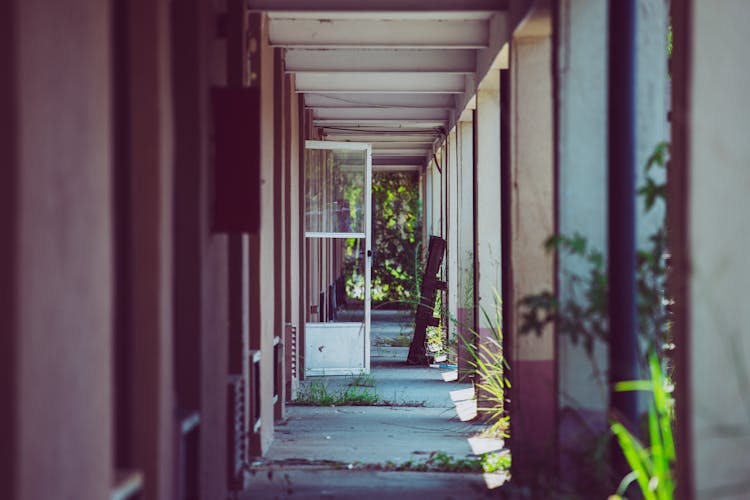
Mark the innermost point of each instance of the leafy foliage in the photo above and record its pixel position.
(584, 316)
(491, 369)
(358, 393)
(396, 232)
(651, 466)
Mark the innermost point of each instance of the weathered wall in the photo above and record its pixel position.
(582, 209)
(718, 155)
(581, 99)
(56, 301)
(534, 390)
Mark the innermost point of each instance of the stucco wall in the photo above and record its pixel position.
(532, 214)
(582, 161)
(719, 185)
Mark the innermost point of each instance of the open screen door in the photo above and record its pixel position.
(338, 193)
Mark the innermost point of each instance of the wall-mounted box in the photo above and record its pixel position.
(236, 179)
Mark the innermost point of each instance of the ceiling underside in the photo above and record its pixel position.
(392, 75)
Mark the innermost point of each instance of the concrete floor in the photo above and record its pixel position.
(328, 452)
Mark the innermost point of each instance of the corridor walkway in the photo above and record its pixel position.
(346, 451)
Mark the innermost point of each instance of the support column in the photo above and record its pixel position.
(151, 146)
(427, 205)
(533, 397)
(452, 206)
(465, 244)
(263, 279)
(487, 210)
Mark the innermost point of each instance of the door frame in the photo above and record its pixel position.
(366, 236)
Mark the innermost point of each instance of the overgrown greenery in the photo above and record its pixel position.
(360, 392)
(583, 318)
(651, 465)
(491, 369)
(396, 233)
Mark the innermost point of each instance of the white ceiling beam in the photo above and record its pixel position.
(378, 5)
(383, 124)
(381, 113)
(352, 60)
(335, 135)
(424, 83)
(347, 33)
(400, 152)
(344, 100)
(397, 145)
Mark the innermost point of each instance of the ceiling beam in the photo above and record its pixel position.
(421, 83)
(344, 100)
(400, 152)
(352, 60)
(381, 113)
(354, 33)
(399, 145)
(335, 135)
(378, 5)
(395, 125)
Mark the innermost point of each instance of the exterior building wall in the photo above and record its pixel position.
(55, 296)
(534, 388)
(581, 165)
(717, 180)
(581, 98)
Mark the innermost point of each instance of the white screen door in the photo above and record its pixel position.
(338, 199)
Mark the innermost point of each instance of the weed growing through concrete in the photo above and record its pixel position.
(437, 462)
(403, 340)
(362, 380)
(317, 393)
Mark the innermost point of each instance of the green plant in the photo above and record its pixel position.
(583, 317)
(403, 340)
(317, 393)
(651, 466)
(496, 461)
(362, 380)
(491, 367)
(437, 462)
(396, 232)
